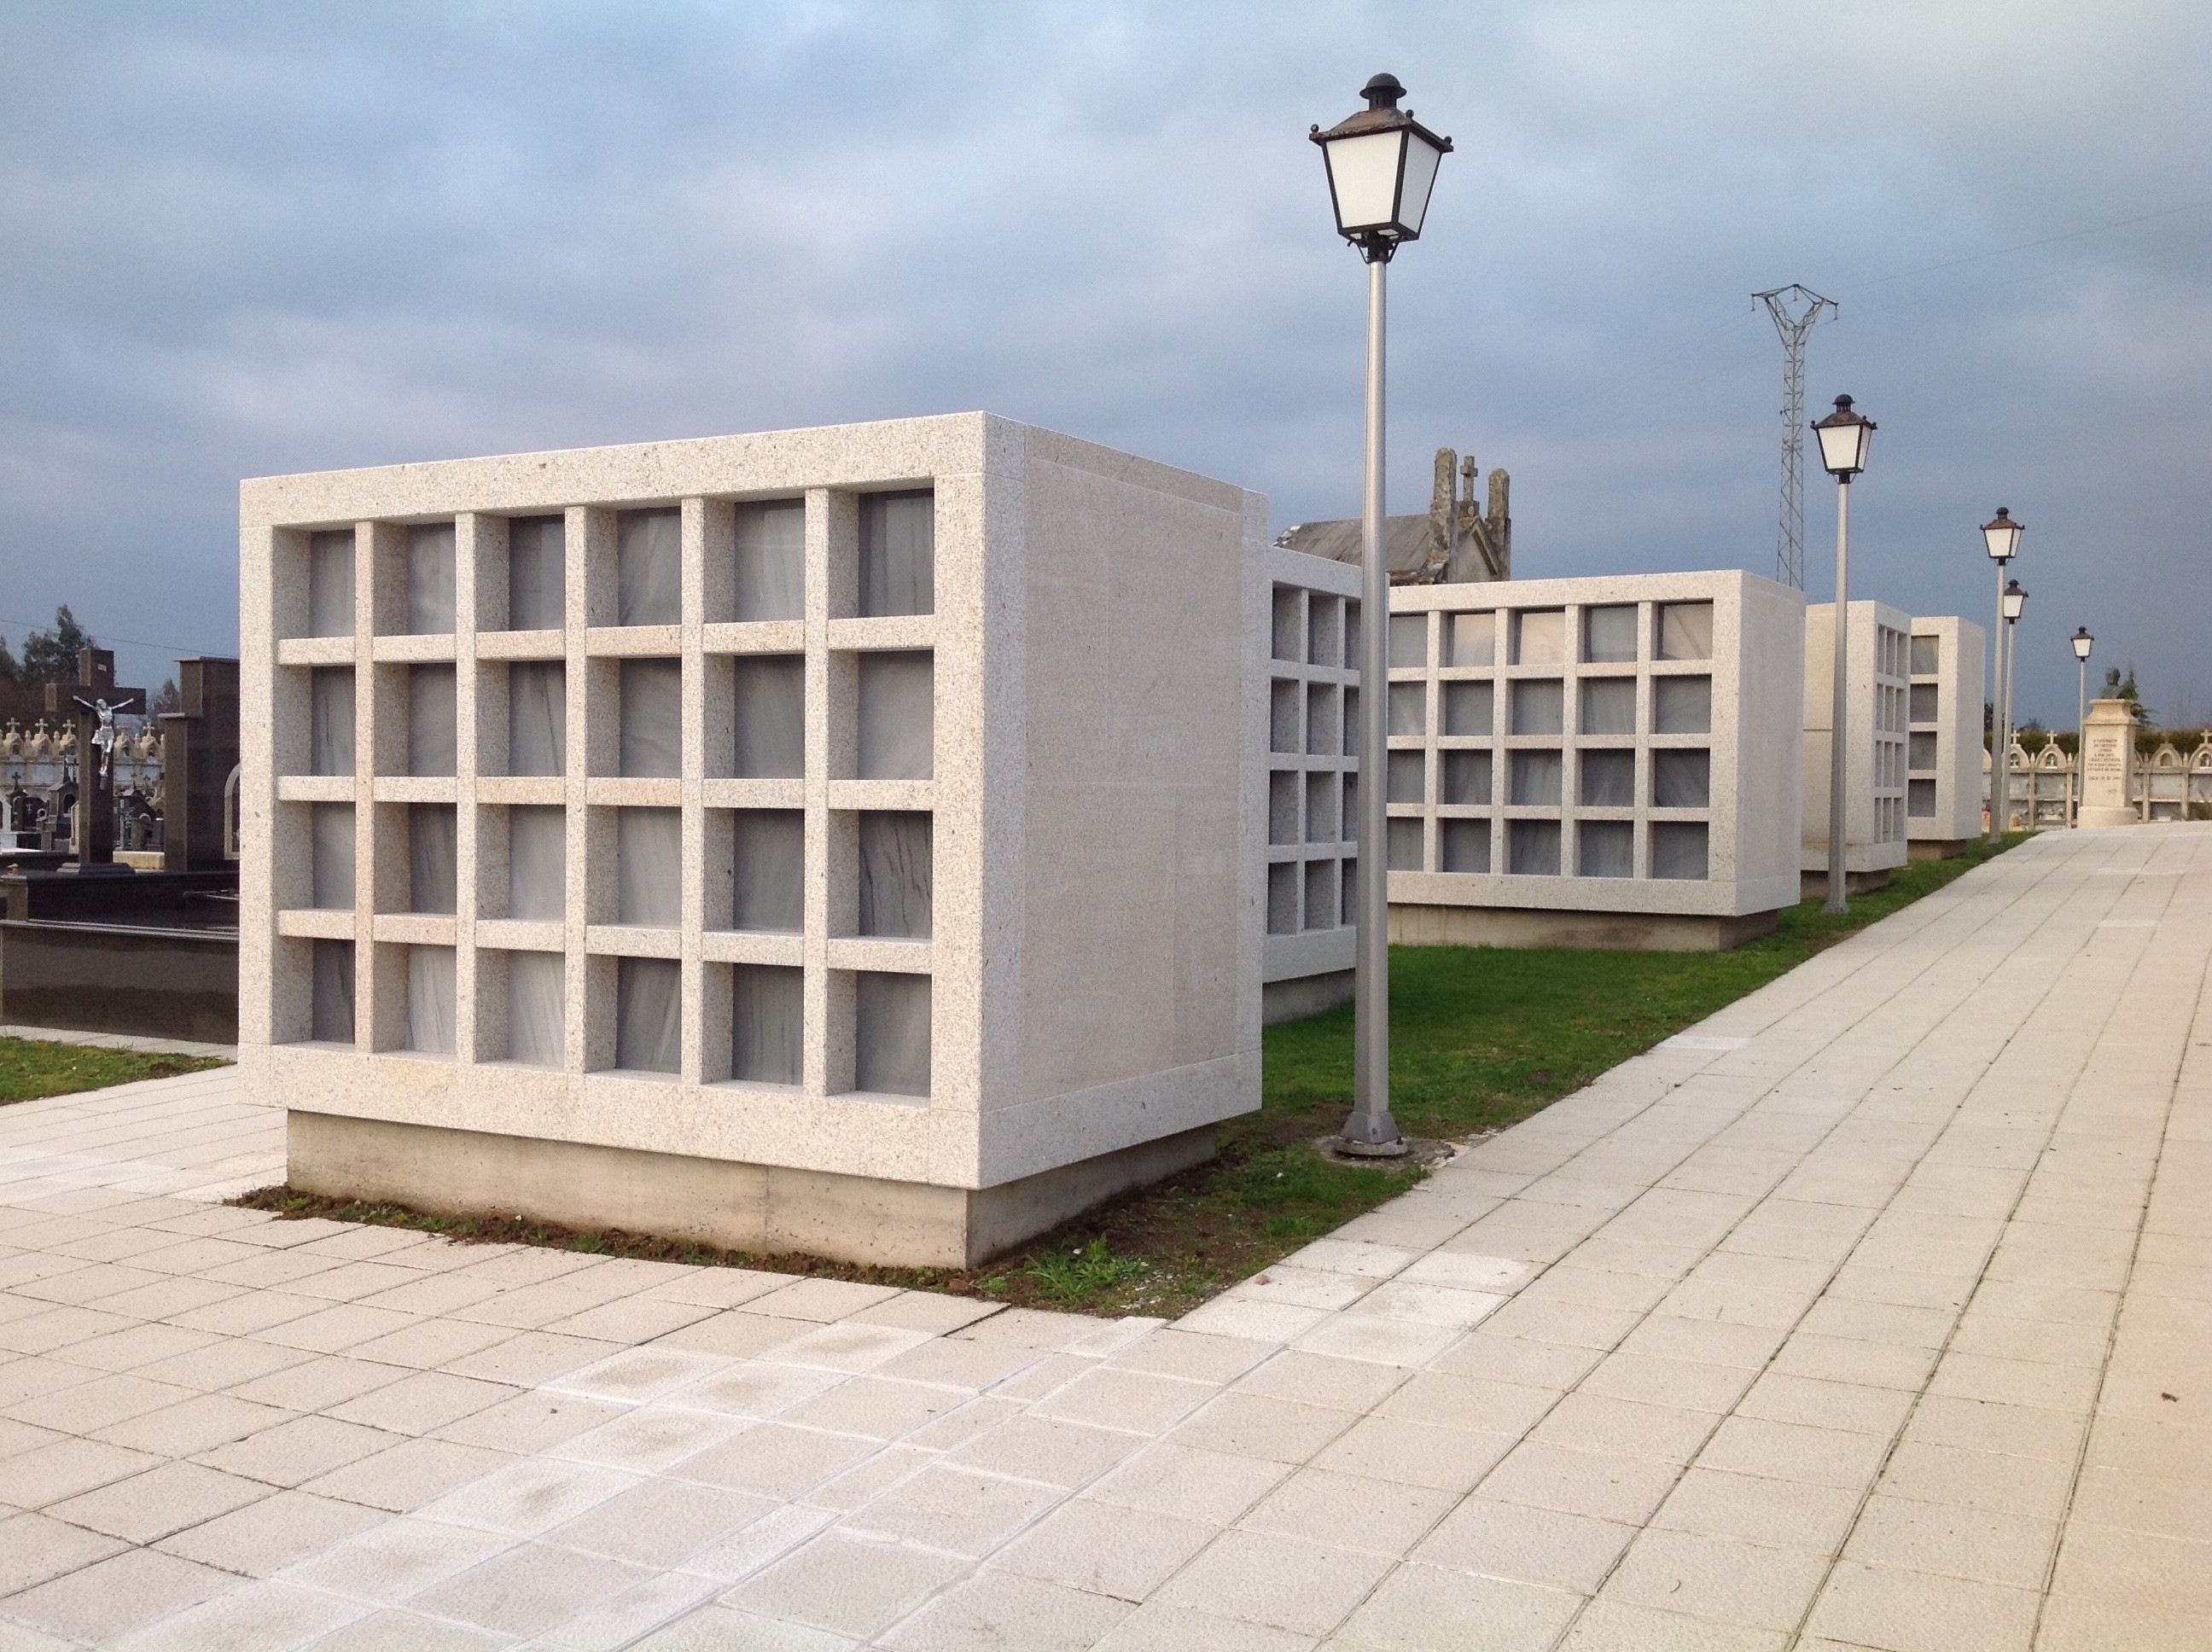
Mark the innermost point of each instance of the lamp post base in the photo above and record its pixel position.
(1352, 1149)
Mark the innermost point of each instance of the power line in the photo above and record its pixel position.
(2024, 246)
(183, 652)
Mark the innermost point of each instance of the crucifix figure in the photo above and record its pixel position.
(94, 708)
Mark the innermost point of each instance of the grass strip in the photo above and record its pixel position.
(34, 1067)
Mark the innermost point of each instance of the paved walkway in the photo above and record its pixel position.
(1876, 1312)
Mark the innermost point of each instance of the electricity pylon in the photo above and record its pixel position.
(1795, 309)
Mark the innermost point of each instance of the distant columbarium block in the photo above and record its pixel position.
(1943, 738)
(1878, 672)
(833, 840)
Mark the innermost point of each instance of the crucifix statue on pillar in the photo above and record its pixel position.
(94, 702)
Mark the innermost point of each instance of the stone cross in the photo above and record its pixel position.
(92, 701)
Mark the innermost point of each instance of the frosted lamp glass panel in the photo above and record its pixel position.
(1609, 633)
(537, 862)
(330, 584)
(1470, 708)
(330, 854)
(1678, 848)
(1540, 637)
(1609, 780)
(1352, 808)
(1685, 630)
(648, 1015)
(1539, 707)
(1409, 708)
(535, 1004)
(1407, 777)
(1283, 721)
(890, 1033)
(1535, 779)
(1363, 175)
(1605, 848)
(430, 999)
(1466, 777)
(1321, 895)
(430, 720)
(1682, 780)
(1321, 808)
(1287, 641)
(1404, 844)
(1283, 898)
(1608, 705)
(648, 867)
(331, 992)
(768, 870)
(1284, 792)
(766, 1016)
(898, 715)
(1322, 736)
(769, 582)
(1464, 844)
(1927, 656)
(894, 872)
(1923, 702)
(430, 579)
(770, 716)
(329, 721)
(1532, 848)
(1409, 638)
(1682, 705)
(1324, 627)
(433, 854)
(898, 553)
(652, 718)
(1923, 749)
(648, 567)
(1421, 159)
(1470, 640)
(1920, 799)
(538, 718)
(537, 574)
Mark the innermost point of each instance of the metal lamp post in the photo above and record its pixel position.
(2014, 603)
(1382, 164)
(2082, 642)
(1844, 436)
(2001, 536)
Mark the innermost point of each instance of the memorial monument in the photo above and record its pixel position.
(2108, 761)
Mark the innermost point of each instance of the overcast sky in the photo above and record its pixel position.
(240, 240)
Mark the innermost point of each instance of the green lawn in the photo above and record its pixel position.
(32, 1067)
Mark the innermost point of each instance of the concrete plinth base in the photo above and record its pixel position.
(757, 1207)
(1937, 848)
(1813, 886)
(1601, 932)
(2096, 814)
(1305, 995)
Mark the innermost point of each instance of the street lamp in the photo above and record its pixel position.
(2001, 535)
(2014, 605)
(2082, 642)
(1382, 164)
(1844, 436)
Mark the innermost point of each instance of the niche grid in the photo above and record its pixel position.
(1313, 762)
(550, 792)
(1924, 734)
(1894, 669)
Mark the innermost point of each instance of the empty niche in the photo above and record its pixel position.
(432, 856)
(1352, 808)
(1923, 747)
(769, 716)
(1607, 780)
(1920, 799)
(1348, 891)
(1283, 734)
(651, 724)
(1927, 656)
(1682, 705)
(1539, 707)
(1470, 639)
(1682, 780)
(331, 992)
(1283, 898)
(430, 579)
(1469, 708)
(768, 882)
(1322, 735)
(1407, 777)
(535, 1003)
(769, 579)
(1321, 894)
(1350, 721)
(894, 872)
(430, 720)
(430, 999)
(648, 1014)
(1540, 637)
(898, 553)
(648, 567)
(1535, 779)
(1404, 845)
(648, 867)
(1409, 707)
(766, 1017)
(1287, 641)
(898, 715)
(1464, 844)
(1608, 705)
(538, 718)
(329, 721)
(1325, 631)
(1685, 630)
(1532, 847)
(890, 1033)
(1321, 808)
(1609, 633)
(1283, 794)
(1678, 848)
(1925, 703)
(330, 584)
(1605, 848)
(1409, 639)
(330, 854)
(1466, 777)
(537, 862)
(537, 575)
